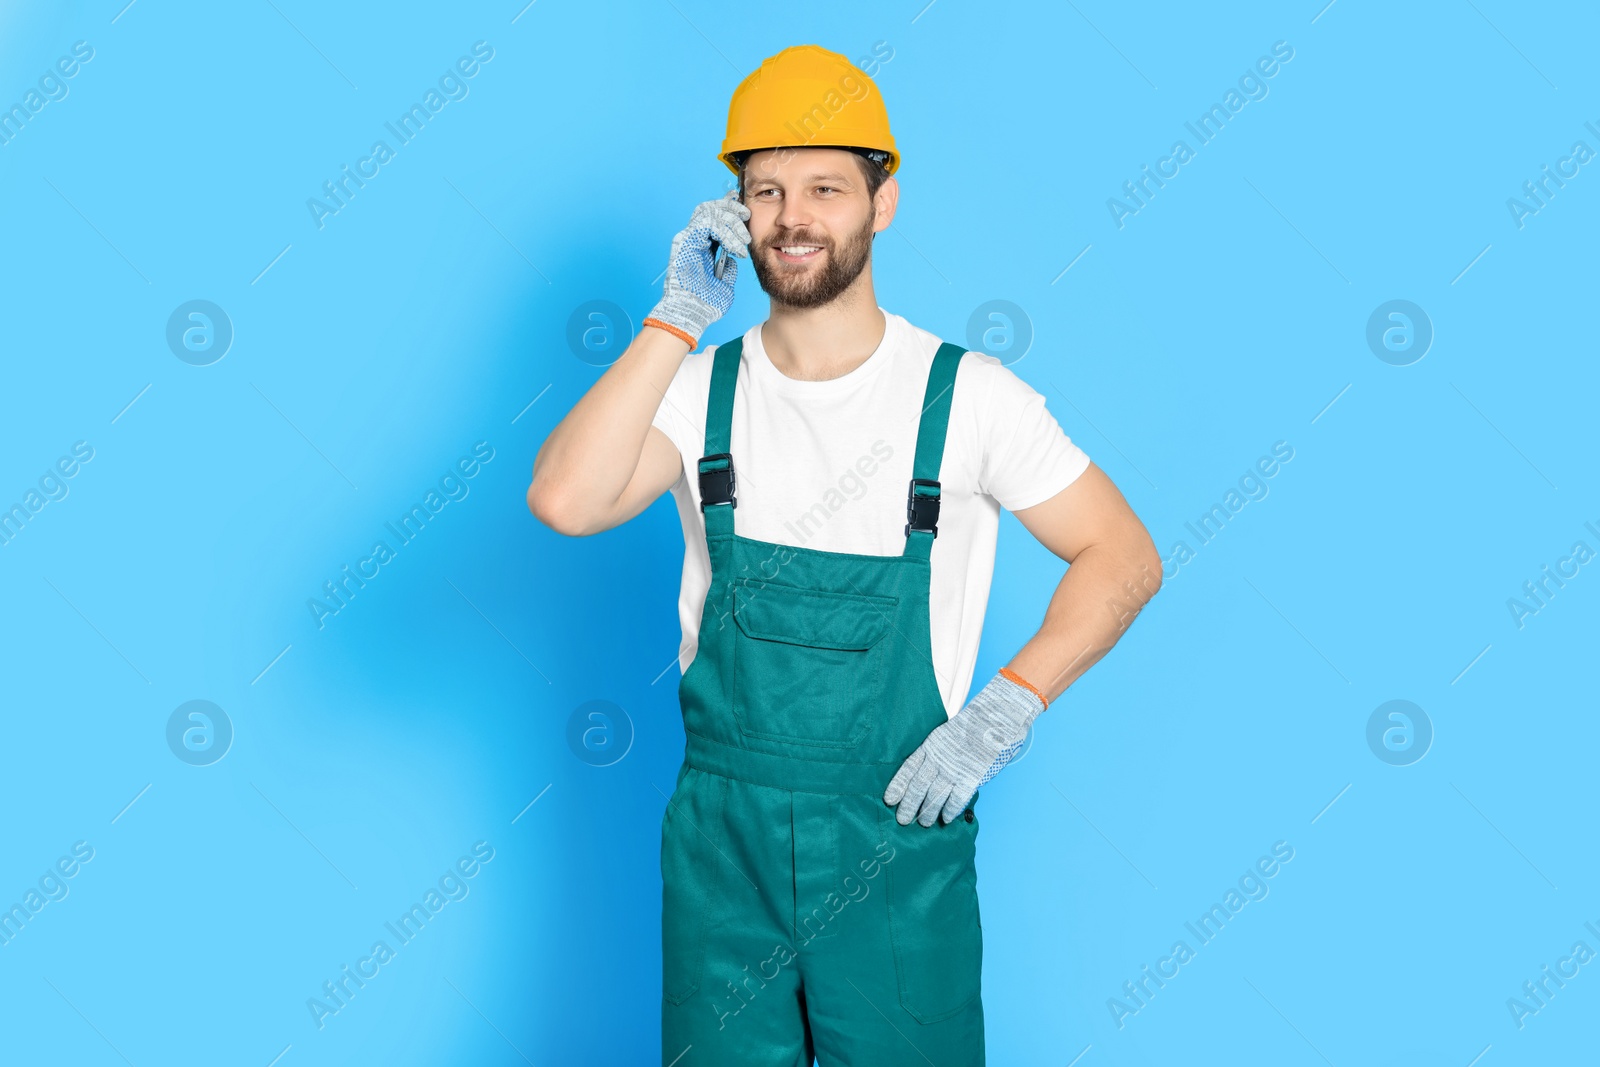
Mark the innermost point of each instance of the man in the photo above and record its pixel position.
(819, 886)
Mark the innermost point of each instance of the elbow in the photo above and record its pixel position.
(540, 504)
(1141, 563)
(550, 508)
(1149, 566)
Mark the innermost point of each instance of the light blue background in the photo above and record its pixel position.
(428, 713)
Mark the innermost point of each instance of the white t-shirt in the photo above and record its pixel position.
(826, 465)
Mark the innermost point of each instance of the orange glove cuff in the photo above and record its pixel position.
(673, 330)
(1012, 676)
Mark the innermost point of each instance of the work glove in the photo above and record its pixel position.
(700, 274)
(964, 753)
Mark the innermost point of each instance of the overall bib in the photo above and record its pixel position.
(799, 918)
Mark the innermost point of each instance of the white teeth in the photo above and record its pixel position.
(800, 250)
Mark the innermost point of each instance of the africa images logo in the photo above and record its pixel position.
(452, 85)
(1205, 128)
(452, 486)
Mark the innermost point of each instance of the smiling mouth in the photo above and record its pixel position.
(797, 253)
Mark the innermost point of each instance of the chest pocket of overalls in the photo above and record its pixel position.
(808, 663)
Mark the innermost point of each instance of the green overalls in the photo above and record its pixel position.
(799, 918)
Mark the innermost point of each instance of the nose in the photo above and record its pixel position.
(795, 214)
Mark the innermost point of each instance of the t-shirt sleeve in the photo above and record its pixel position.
(666, 421)
(1027, 457)
(672, 415)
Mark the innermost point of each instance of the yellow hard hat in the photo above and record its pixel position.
(807, 97)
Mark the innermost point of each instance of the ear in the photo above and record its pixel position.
(884, 203)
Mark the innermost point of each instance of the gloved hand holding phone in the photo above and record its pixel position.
(701, 270)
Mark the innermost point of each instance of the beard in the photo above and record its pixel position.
(810, 288)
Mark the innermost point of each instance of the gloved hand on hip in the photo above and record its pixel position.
(696, 295)
(964, 753)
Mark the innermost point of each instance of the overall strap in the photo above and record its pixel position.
(922, 498)
(716, 472)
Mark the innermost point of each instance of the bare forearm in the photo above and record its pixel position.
(587, 460)
(1094, 604)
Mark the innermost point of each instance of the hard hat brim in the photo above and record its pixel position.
(729, 153)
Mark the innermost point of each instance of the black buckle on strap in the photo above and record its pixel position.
(717, 480)
(922, 509)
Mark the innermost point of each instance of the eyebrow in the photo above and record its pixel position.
(831, 176)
